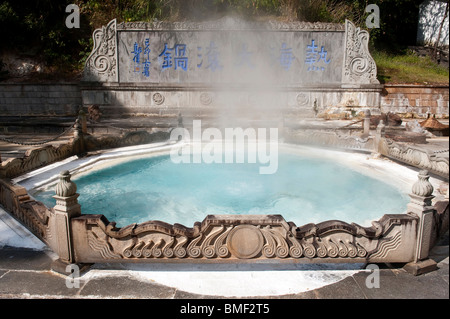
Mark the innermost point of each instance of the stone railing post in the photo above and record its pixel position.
(420, 205)
(366, 124)
(78, 146)
(379, 136)
(381, 129)
(180, 120)
(83, 121)
(67, 207)
(2, 173)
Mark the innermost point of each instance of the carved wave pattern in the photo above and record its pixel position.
(214, 245)
(244, 237)
(387, 246)
(101, 246)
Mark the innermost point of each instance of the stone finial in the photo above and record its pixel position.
(423, 187)
(366, 123)
(65, 187)
(82, 120)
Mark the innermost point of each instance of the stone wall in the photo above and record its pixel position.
(64, 99)
(409, 100)
(39, 99)
(115, 100)
(230, 66)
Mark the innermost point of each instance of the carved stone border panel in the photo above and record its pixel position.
(243, 237)
(359, 66)
(101, 65)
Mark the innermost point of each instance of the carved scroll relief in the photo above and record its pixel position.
(231, 237)
(359, 66)
(101, 65)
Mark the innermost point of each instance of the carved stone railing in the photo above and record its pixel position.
(244, 237)
(436, 162)
(330, 139)
(33, 214)
(417, 157)
(77, 238)
(92, 143)
(413, 155)
(34, 159)
(79, 144)
(402, 238)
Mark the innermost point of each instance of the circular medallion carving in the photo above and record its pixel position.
(205, 98)
(302, 99)
(158, 98)
(245, 241)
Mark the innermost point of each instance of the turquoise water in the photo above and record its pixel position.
(302, 190)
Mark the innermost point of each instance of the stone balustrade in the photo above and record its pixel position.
(78, 238)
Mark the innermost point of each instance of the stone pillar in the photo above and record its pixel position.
(83, 121)
(379, 136)
(366, 125)
(78, 146)
(420, 205)
(66, 208)
(381, 129)
(1, 167)
(180, 120)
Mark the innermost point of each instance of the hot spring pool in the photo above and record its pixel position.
(304, 190)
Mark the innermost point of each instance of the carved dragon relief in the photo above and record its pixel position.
(243, 237)
(359, 66)
(101, 65)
